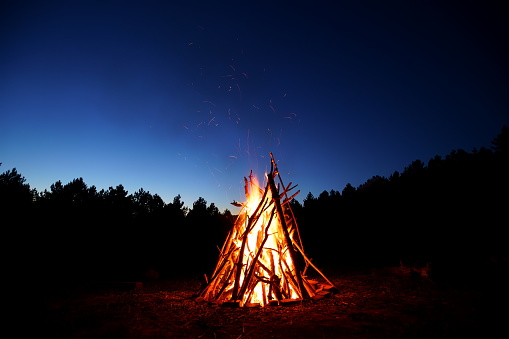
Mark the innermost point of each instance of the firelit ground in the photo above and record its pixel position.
(366, 306)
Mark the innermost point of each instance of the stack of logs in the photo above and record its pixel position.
(258, 262)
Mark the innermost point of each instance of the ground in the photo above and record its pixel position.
(366, 305)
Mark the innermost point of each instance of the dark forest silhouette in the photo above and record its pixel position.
(451, 212)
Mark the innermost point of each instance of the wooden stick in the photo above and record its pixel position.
(279, 209)
(292, 278)
(311, 290)
(219, 278)
(313, 265)
(251, 290)
(273, 282)
(225, 283)
(249, 275)
(288, 200)
(251, 222)
(304, 271)
(273, 162)
(220, 265)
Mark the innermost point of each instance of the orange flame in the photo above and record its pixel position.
(266, 250)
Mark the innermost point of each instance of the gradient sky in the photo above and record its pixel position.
(186, 97)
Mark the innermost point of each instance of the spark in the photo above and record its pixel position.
(244, 74)
(233, 68)
(256, 107)
(209, 102)
(211, 120)
(272, 108)
(293, 115)
(232, 156)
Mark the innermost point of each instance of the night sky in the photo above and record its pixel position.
(186, 97)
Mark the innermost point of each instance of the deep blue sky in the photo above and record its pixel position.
(186, 97)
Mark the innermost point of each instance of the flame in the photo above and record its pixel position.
(265, 247)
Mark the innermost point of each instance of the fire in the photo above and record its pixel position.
(256, 265)
(265, 243)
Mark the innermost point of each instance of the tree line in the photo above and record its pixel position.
(73, 231)
(450, 211)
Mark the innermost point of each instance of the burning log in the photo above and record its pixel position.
(257, 262)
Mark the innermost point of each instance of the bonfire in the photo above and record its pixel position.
(259, 263)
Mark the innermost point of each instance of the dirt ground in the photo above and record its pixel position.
(365, 306)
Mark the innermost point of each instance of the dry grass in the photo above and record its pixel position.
(366, 306)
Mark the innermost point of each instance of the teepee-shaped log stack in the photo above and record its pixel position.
(258, 263)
